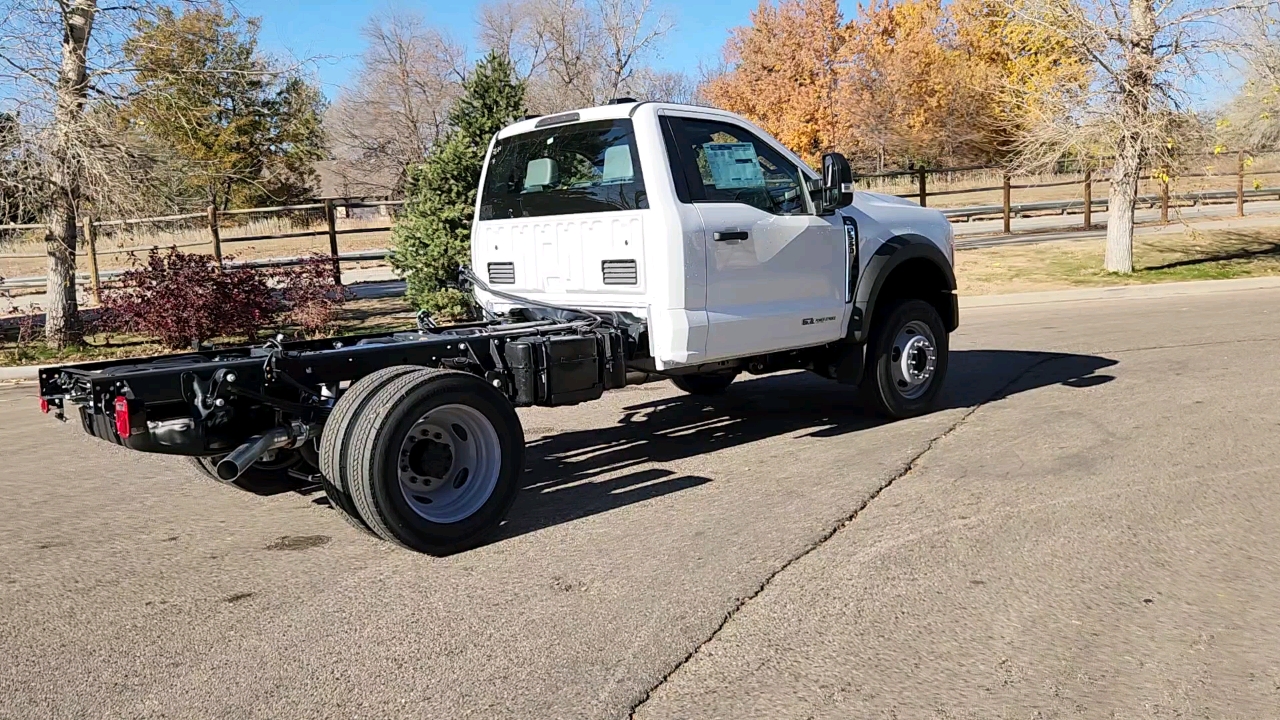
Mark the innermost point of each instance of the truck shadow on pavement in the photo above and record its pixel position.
(576, 474)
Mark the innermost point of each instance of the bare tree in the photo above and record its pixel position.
(66, 77)
(576, 53)
(663, 86)
(630, 31)
(60, 61)
(1252, 118)
(1145, 55)
(397, 105)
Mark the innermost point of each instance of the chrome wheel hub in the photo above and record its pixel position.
(914, 359)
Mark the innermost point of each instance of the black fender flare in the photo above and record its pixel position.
(892, 253)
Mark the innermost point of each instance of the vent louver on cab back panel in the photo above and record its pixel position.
(502, 273)
(620, 272)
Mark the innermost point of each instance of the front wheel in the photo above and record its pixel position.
(906, 360)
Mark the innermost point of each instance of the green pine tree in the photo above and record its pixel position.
(433, 237)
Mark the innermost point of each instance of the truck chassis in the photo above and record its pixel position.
(331, 409)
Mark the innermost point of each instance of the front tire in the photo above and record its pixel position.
(704, 383)
(907, 360)
(434, 461)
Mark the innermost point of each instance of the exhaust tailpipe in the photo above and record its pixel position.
(240, 459)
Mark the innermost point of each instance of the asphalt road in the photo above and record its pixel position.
(1088, 529)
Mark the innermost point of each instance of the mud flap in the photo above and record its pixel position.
(849, 363)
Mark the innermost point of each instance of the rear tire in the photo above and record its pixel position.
(334, 441)
(704, 383)
(434, 461)
(906, 360)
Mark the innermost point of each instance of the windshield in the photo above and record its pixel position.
(572, 169)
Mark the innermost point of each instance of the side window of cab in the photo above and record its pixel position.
(718, 162)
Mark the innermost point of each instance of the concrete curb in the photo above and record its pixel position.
(1123, 292)
(19, 374)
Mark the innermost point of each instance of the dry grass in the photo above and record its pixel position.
(376, 315)
(1169, 257)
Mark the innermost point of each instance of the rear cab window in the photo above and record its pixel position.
(573, 169)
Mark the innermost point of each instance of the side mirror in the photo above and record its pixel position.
(837, 182)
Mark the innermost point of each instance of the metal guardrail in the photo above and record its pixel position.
(1065, 206)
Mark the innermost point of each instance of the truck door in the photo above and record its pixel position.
(776, 272)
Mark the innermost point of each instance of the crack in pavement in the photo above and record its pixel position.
(844, 522)
(1179, 346)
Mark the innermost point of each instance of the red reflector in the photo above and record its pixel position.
(122, 416)
(44, 406)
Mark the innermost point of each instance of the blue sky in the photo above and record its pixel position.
(331, 28)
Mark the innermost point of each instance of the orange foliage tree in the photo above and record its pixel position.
(784, 73)
(906, 82)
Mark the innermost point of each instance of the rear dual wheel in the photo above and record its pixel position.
(335, 439)
(426, 458)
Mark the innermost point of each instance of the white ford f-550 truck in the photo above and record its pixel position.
(613, 245)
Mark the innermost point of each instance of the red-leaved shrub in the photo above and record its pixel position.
(182, 299)
(308, 292)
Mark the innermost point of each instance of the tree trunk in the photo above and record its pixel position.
(1124, 193)
(62, 316)
(1136, 87)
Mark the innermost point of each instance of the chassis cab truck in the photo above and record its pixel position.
(626, 243)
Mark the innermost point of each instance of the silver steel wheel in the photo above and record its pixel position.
(449, 464)
(913, 359)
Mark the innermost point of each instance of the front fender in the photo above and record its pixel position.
(890, 255)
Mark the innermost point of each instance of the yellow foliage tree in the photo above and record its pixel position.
(1025, 67)
(906, 91)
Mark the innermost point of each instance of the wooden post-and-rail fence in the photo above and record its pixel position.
(330, 208)
(214, 223)
(1007, 209)
(215, 219)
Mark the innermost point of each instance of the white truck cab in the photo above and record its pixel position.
(732, 252)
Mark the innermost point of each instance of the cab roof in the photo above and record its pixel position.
(631, 109)
(605, 112)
